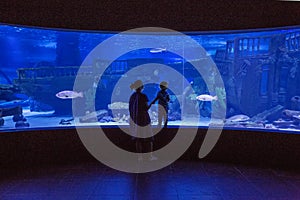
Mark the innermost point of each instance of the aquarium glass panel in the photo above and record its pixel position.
(259, 68)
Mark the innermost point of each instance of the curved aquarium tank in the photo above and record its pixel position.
(55, 78)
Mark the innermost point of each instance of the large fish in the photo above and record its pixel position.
(206, 97)
(15, 103)
(66, 94)
(21, 96)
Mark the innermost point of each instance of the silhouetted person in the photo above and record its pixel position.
(140, 122)
(163, 104)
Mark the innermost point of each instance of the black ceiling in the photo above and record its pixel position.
(185, 15)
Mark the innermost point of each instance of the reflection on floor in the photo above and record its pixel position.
(183, 180)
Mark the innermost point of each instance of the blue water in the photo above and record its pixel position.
(260, 70)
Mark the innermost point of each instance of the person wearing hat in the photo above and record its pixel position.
(140, 122)
(163, 107)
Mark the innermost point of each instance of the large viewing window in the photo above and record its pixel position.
(260, 69)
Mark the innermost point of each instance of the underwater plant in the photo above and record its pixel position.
(221, 94)
(220, 104)
(294, 68)
(89, 99)
(192, 97)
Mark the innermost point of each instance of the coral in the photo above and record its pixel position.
(118, 105)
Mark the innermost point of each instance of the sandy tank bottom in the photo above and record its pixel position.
(47, 120)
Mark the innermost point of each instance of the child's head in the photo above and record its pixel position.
(163, 85)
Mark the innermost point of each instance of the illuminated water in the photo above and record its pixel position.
(260, 70)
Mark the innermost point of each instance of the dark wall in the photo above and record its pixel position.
(187, 15)
(48, 147)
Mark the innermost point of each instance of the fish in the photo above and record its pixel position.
(206, 97)
(238, 118)
(66, 94)
(158, 50)
(297, 117)
(15, 103)
(66, 121)
(21, 96)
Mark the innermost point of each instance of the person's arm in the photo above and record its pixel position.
(148, 106)
(152, 102)
(157, 97)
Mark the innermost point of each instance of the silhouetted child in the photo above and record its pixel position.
(163, 107)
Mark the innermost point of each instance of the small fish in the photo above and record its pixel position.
(206, 97)
(66, 94)
(238, 118)
(158, 50)
(66, 121)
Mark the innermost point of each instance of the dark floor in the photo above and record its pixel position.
(181, 180)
